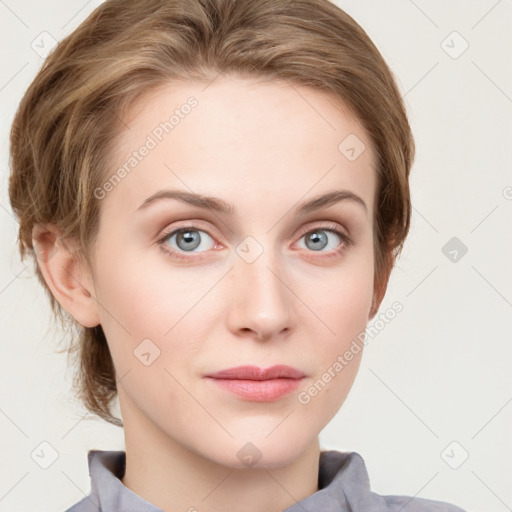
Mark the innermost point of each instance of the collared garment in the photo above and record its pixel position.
(343, 486)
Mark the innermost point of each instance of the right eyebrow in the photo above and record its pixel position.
(201, 201)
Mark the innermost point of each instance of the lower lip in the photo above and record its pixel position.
(259, 390)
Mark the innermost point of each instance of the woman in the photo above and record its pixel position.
(252, 131)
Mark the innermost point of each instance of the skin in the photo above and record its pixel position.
(264, 147)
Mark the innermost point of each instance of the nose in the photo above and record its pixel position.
(262, 304)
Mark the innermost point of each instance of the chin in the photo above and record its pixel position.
(258, 452)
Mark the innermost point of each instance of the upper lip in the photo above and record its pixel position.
(256, 373)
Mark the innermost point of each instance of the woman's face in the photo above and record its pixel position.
(261, 280)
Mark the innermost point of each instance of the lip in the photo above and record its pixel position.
(256, 373)
(256, 384)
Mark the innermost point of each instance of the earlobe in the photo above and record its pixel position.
(374, 307)
(66, 277)
(378, 295)
(380, 289)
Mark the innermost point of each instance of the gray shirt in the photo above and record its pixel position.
(343, 486)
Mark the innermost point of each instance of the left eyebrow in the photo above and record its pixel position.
(221, 206)
(325, 200)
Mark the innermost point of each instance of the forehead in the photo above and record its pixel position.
(241, 138)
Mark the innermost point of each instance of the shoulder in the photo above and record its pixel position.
(84, 505)
(347, 478)
(413, 504)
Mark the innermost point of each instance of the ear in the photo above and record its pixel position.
(67, 278)
(380, 288)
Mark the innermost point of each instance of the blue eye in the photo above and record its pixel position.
(318, 239)
(186, 239)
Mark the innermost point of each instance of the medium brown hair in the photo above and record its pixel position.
(66, 125)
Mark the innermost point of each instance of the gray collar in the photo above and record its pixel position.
(343, 486)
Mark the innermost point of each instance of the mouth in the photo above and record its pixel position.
(258, 385)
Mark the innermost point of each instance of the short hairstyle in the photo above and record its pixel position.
(67, 122)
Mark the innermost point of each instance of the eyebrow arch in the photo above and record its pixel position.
(328, 199)
(221, 206)
(207, 202)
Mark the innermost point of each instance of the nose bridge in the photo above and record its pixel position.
(262, 301)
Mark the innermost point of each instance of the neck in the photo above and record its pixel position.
(172, 477)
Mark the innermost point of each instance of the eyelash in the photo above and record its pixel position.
(331, 228)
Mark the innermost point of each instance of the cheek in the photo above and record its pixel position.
(142, 302)
(342, 301)
(136, 296)
(346, 314)
(148, 324)
(338, 354)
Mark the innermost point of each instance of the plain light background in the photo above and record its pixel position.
(431, 409)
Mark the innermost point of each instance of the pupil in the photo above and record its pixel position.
(190, 238)
(315, 237)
